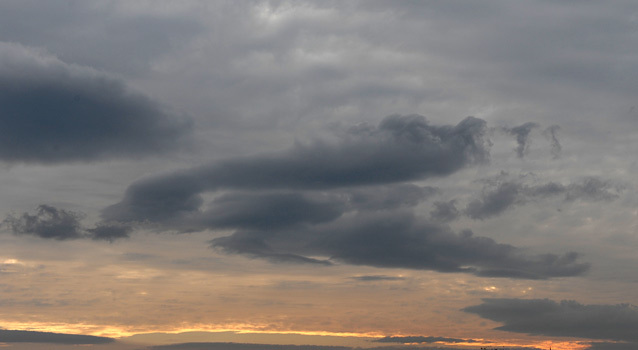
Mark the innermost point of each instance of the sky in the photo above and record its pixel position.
(308, 175)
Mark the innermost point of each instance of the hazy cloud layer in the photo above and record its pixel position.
(400, 148)
(13, 336)
(52, 112)
(399, 240)
(53, 223)
(561, 319)
(500, 194)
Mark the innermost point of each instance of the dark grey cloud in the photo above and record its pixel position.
(400, 148)
(494, 201)
(552, 134)
(388, 197)
(501, 194)
(110, 232)
(373, 278)
(422, 339)
(13, 336)
(444, 211)
(53, 112)
(521, 133)
(50, 222)
(593, 189)
(273, 210)
(399, 240)
(562, 319)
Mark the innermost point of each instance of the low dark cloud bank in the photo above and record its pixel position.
(53, 223)
(11, 336)
(52, 112)
(563, 319)
(399, 240)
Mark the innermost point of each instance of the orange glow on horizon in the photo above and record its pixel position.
(122, 332)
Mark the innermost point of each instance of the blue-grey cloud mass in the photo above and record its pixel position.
(53, 112)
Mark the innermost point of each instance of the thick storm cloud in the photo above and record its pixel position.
(52, 112)
(400, 148)
(502, 194)
(562, 319)
(399, 240)
(14, 336)
(53, 223)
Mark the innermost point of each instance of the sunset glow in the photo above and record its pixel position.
(318, 175)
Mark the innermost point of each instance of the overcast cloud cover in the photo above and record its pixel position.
(414, 170)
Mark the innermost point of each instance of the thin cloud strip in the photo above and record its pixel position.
(423, 339)
(18, 336)
(54, 112)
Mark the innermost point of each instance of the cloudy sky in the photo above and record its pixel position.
(318, 174)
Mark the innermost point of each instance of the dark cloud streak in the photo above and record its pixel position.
(50, 222)
(15, 336)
